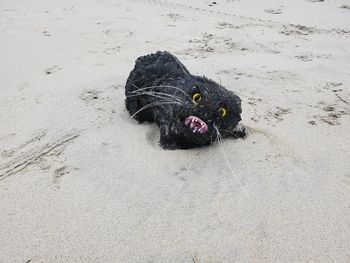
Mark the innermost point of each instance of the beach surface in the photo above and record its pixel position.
(82, 182)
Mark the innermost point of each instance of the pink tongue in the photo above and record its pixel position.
(196, 124)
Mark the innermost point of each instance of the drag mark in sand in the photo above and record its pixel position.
(34, 156)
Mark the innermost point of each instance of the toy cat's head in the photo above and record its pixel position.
(204, 111)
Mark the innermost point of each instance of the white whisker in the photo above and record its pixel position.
(157, 94)
(154, 104)
(230, 132)
(160, 86)
(221, 145)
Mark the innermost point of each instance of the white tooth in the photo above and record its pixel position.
(200, 130)
(195, 129)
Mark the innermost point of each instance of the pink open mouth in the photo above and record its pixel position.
(196, 124)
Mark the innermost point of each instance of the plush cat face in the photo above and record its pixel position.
(209, 108)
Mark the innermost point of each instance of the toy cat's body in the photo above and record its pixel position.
(191, 111)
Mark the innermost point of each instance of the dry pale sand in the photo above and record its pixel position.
(82, 182)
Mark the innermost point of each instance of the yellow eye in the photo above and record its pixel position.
(222, 112)
(196, 97)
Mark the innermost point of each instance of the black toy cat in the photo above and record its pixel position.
(191, 111)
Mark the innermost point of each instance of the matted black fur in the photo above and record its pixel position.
(160, 89)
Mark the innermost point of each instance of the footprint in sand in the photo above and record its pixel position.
(112, 50)
(298, 30)
(89, 95)
(174, 16)
(332, 116)
(46, 33)
(331, 113)
(304, 58)
(345, 7)
(52, 69)
(274, 11)
(60, 172)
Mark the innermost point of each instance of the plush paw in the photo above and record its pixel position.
(239, 132)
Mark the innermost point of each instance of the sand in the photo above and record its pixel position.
(82, 182)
